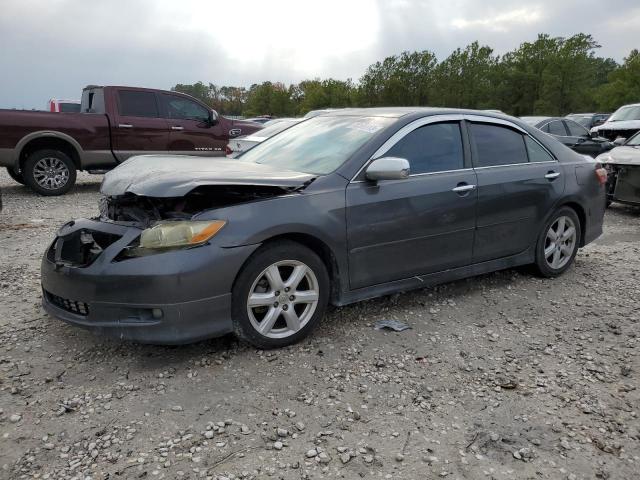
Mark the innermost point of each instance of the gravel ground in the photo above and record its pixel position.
(501, 376)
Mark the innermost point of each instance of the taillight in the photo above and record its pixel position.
(227, 150)
(601, 174)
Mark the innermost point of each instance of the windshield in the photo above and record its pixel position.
(317, 146)
(634, 141)
(631, 112)
(274, 128)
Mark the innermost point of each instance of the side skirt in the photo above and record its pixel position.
(429, 280)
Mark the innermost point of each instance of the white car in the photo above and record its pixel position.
(623, 123)
(239, 145)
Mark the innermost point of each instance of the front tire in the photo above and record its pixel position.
(49, 172)
(280, 295)
(558, 243)
(16, 176)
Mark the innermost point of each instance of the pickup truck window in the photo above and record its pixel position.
(183, 109)
(137, 104)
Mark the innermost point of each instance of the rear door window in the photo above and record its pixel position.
(431, 148)
(137, 104)
(497, 145)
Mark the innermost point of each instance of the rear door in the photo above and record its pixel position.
(401, 228)
(519, 182)
(190, 128)
(138, 127)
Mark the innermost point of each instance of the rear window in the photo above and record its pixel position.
(536, 152)
(496, 145)
(556, 128)
(137, 104)
(576, 129)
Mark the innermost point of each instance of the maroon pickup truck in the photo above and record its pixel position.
(44, 150)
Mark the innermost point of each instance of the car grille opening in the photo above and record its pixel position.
(72, 306)
(80, 248)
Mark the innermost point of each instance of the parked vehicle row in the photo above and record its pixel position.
(345, 206)
(589, 120)
(44, 150)
(571, 134)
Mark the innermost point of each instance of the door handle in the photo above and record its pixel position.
(177, 128)
(552, 175)
(125, 125)
(463, 188)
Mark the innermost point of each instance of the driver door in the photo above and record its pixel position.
(190, 129)
(397, 229)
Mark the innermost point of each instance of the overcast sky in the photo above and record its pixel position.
(53, 48)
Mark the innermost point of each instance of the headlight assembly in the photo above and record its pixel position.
(170, 235)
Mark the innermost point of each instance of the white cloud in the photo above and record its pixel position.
(503, 22)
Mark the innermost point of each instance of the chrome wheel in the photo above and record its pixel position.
(560, 242)
(51, 173)
(283, 299)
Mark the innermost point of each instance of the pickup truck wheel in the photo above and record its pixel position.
(49, 172)
(15, 175)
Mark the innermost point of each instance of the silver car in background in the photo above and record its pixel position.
(241, 144)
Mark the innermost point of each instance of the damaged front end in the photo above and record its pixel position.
(144, 211)
(623, 183)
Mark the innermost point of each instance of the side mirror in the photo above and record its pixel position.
(388, 168)
(619, 141)
(213, 117)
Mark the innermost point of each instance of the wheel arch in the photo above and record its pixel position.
(48, 140)
(582, 216)
(316, 245)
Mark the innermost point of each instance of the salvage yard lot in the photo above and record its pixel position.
(501, 376)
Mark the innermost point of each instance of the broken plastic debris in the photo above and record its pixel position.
(391, 325)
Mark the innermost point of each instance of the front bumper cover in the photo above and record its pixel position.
(174, 297)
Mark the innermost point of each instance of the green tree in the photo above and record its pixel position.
(623, 84)
(464, 78)
(403, 79)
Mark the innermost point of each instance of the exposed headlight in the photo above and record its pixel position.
(179, 234)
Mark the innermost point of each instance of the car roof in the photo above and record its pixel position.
(397, 112)
(536, 120)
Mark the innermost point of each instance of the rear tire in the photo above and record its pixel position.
(558, 242)
(280, 295)
(16, 175)
(49, 172)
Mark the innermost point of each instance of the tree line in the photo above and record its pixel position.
(550, 76)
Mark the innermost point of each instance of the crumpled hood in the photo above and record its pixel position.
(621, 125)
(623, 156)
(175, 175)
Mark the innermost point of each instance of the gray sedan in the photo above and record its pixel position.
(346, 206)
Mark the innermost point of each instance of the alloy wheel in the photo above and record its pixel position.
(560, 242)
(51, 173)
(283, 298)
